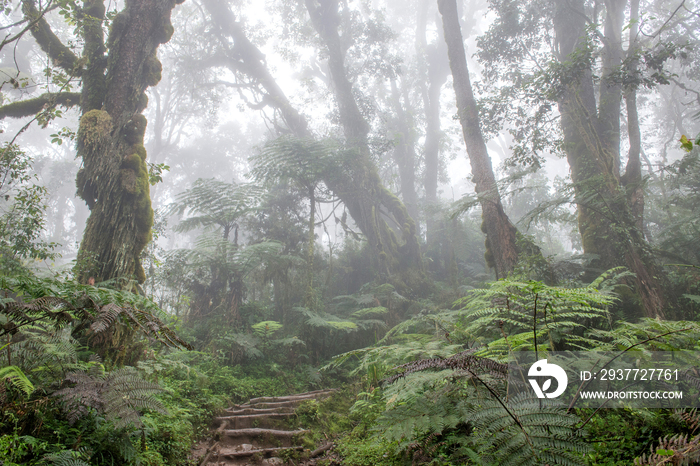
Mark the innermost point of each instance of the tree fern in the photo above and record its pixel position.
(288, 158)
(526, 314)
(211, 203)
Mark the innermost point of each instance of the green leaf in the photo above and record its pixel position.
(686, 144)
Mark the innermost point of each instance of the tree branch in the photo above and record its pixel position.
(24, 108)
(48, 41)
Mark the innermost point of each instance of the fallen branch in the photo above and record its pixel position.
(208, 453)
(321, 449)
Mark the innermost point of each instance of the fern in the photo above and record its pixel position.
(529, 314)
(16, 377)
(288, 158)
(51, 303)
(464, 361)
(120, 395)
(211, 203)
(69, 458)
(326, 321)
(525, 431)
(675, 450)
(422, 404)
(659, 335)
(266, 328)
(378, 311)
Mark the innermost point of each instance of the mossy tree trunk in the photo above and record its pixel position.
(501, 235)
(608, 225)
(114, 179)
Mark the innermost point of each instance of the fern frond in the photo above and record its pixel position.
(675, 450)
(526, 430)
(464, 361)
(68, 458)
(16, 377)
(120, 395)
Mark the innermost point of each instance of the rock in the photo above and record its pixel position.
(272, 462)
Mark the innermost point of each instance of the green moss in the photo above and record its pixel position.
(488, 256)
(166, 33)
(132, 162)
(135, 129)
(134, 181)
(118, 24)
(85, 189)
(95, 128)
(152, 70)
(142, 103)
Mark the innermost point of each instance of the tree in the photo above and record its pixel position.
(501, 250)
(370, 194)
(222, 207)
(114, 180)
(556, 52)
(591, 128)
(435, 68)
(356, 181)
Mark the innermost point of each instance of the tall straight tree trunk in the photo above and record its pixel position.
(405, 152)
(632, 178)
(433, 71)
(501, 235)
(609, 230)
(310, 298)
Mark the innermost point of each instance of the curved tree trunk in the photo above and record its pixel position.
(501, 235)
(359, 185)
(364, 208)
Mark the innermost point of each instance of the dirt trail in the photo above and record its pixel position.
(254, 433)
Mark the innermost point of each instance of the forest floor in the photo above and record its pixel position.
(258, 433)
